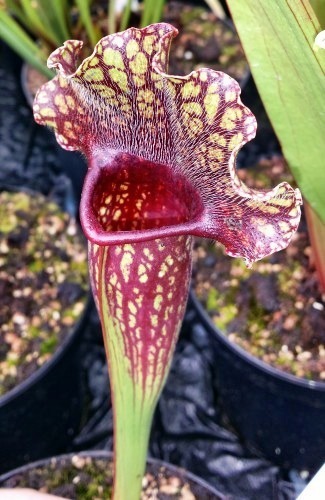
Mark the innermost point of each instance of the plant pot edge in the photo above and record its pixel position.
(277, 416)
(32, 424)
(104, 454)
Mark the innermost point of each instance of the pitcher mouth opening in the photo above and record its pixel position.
(133, 199)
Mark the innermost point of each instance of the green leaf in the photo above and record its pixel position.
(19, 41)
(60, 10)
(6, 21)
(14, 8)
(319, 9)
(112, 16)
(126, 15)
(152, 12)
(278, 39)
(38, 20)
(92, 31)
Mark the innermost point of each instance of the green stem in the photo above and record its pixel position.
(132, 423)
(316, 230)
(85, 15)
(126, 16)
(133, 412)
(141, 292)
(111, 17)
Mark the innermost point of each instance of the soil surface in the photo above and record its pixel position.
(275, 310)
(43, 283)
(88, 478)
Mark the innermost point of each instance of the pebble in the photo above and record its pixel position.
(19, 318)
(188, 55)
(169, 489)
(290, 322)
(318, 306)
(3, 244)
(78, 461)
(304, 356)
(186, 494)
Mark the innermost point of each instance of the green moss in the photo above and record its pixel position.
(212, 300)
(227, 314)
(8, 222)
(33, 332)
(12, 361)
(230, 50)
(95, 488)
(21, 201)
(189, 15)
(92, 480)
(69, 313)
(36, 266)
(8, 219)
(79, 268)
(285, 279)
(48, 345)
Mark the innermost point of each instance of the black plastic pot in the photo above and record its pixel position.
(200, 488)
(41, 416)
(74, 166)
(276, 414)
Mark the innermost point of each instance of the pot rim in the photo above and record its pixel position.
(104, 454)
(250, 358)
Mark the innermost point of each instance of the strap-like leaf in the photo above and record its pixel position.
(92, 31)
(40, 25)
(278, 39)
(18, 40)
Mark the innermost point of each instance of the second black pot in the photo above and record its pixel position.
(278, 415)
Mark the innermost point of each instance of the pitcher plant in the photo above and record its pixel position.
(161, 152)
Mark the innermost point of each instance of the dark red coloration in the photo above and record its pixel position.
(131, 195)
(121, 101)
(145, 286)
